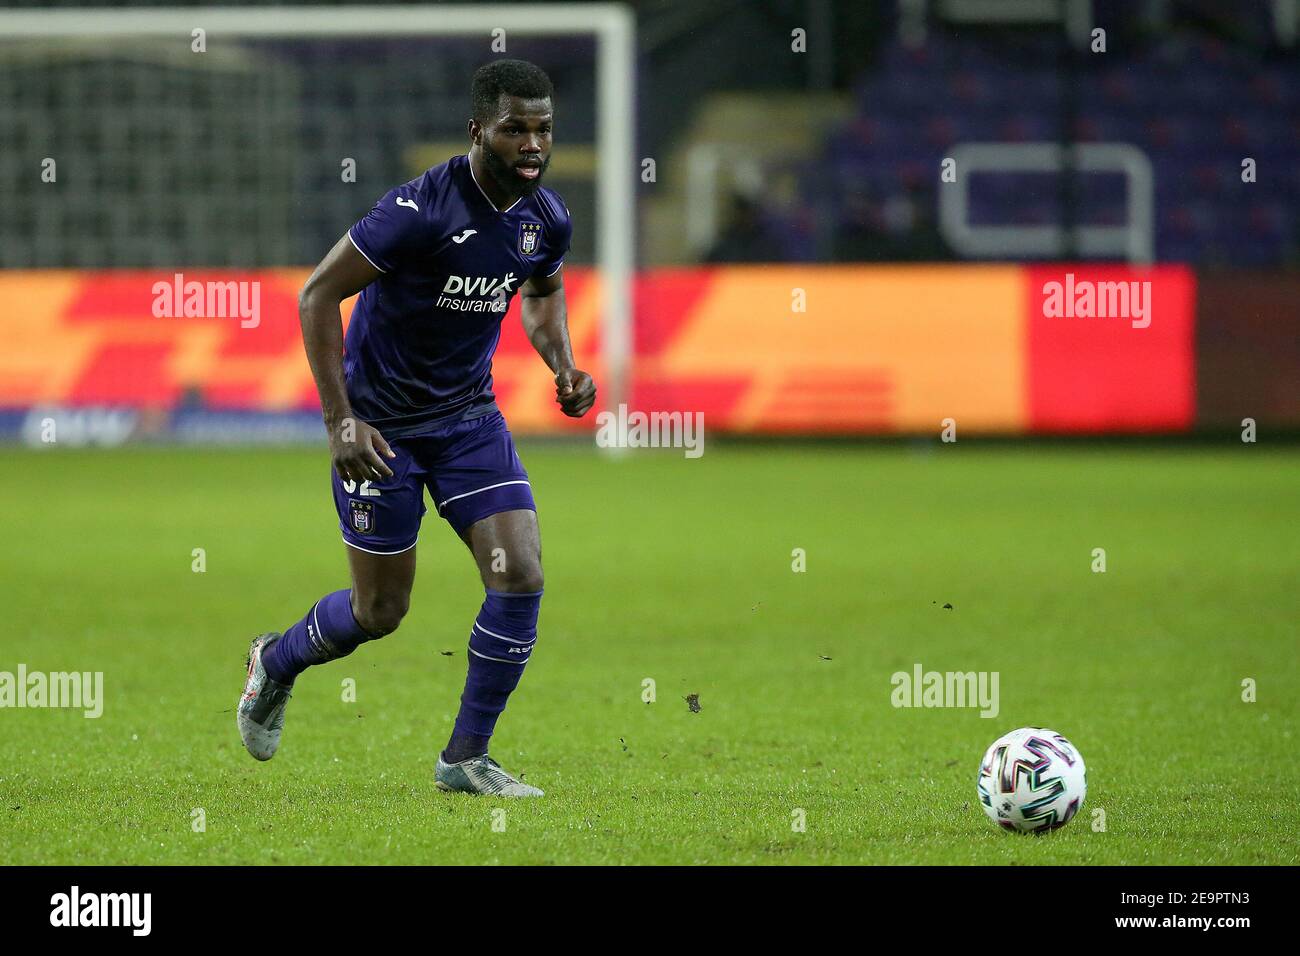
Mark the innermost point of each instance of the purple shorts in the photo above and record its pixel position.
(470, 468)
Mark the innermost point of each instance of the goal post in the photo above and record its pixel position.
(612, 25)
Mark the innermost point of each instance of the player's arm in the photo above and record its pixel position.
(355, 447)
(546, 320)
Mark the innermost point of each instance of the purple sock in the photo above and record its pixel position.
(499, 646)
(326, 633)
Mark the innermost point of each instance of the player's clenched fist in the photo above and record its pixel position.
(358, 452)
(575, 391)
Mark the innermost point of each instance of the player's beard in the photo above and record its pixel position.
(510, 181)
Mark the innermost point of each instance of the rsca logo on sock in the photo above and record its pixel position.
(134, 910)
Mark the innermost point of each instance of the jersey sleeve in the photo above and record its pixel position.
(391, 232)
(556, 249)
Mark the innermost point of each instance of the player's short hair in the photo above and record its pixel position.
(511, 77)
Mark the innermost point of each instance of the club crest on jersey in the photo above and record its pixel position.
(363, 516)
(530, 238)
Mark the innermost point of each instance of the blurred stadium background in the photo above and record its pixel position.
(822, 163)
(802, 268)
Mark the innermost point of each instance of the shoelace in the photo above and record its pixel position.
(493, 777)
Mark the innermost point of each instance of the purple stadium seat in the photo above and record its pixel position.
(1195, 105)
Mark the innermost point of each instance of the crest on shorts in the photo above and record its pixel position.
(530, 238)
(362, 515)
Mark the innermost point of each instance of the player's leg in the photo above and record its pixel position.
(342, 621)
(380, 522)
(507, 549)
(381, 589)
(482, 490)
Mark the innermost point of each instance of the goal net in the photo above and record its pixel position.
(238, 138)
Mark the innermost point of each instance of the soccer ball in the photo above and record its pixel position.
(1032, 780)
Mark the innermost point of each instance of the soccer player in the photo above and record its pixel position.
(408, 405)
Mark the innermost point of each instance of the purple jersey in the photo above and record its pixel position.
(419, 348)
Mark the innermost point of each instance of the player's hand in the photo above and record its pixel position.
(358, 452)
(574, 391)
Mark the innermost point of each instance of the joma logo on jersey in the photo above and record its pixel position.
(494, 293)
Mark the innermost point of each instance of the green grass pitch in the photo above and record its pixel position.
(680, 571)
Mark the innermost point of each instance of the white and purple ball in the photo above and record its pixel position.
(1032, 780)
